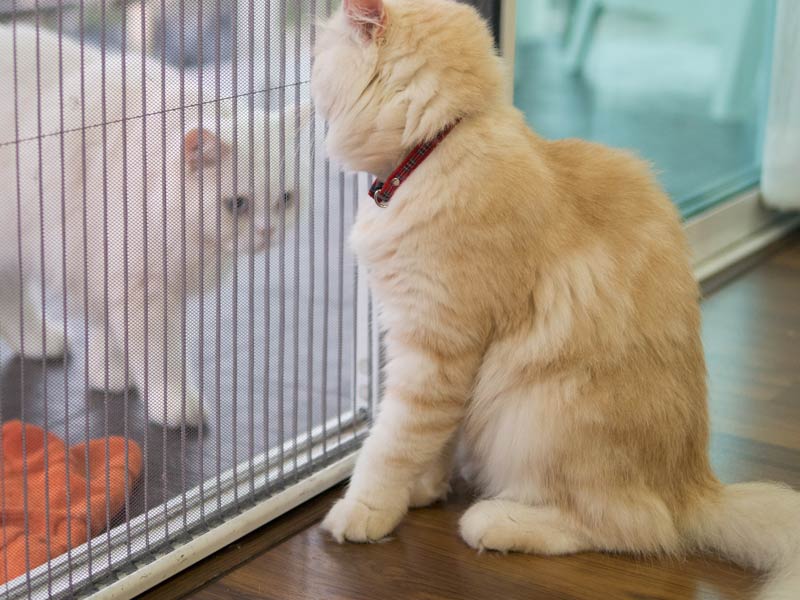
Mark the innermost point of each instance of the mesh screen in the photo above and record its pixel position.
(175, 275)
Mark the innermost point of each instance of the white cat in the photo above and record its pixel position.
(174, 167)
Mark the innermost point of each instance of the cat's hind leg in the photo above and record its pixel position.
(632, 520)
(509, 526)
(27, 340)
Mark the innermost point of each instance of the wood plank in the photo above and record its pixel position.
(752, 336)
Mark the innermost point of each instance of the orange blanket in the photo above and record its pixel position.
(12, 485)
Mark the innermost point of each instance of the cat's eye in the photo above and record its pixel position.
(236, 205)
(287, 197)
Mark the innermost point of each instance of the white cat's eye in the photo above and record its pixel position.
(287, 197)
(237, 205)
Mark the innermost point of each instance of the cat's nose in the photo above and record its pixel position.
(263, 237)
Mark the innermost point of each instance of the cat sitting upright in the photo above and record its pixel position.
(541, 315)
(171, 167)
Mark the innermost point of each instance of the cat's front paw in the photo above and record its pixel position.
(354, 521)
(107, 375)
(54, 342)
(171, 411)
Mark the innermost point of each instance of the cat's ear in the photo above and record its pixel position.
(201, 147)
(366, 16)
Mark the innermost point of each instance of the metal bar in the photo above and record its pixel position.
(165, 277)
(296, 196)
(182, 96)
(218, 272)
(267, 221)
(85, 232)
(125, 275)
(201, 225)
(104, 134)
(311, 241)
(145, 388)
(21, 309)
(282, 236)
(235, 221)
(43, 285)
(251, 258)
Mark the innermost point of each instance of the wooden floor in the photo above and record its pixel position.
(752, 337)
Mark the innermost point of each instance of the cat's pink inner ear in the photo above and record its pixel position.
(202, 147)
(368, 16)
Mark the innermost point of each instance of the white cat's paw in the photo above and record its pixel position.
(354, 521)
(171, 412)
(55, 341)
(429, 488)
(484, 527)
(99, 371)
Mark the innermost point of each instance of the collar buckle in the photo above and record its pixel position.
(376, 192)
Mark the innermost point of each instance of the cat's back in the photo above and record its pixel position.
(607, 185)
(32, 64)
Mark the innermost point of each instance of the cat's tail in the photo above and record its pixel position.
(755, 525)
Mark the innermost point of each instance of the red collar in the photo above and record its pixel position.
(382, 192)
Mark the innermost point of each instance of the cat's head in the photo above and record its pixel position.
(248, 196)
(389, 74)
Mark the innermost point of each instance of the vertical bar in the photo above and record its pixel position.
(125, 290)
(63, 196)
(235, 307)
(85, 232)
(354, 384)
(182, 96)
(251, 262)
(43, 284)
(296, 194)
(21, 307)
(218, 331)
(282, 248)
(268, 226)
(326, 274)
(340, 314)
(104, 134)
(201, 283)
(145, 266)
(311, 247)
(165, 216)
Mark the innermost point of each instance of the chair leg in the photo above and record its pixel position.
(582, 29)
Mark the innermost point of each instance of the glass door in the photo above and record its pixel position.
(682, 83)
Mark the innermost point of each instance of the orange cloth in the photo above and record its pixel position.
(12, 485)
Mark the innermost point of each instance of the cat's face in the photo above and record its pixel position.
(247, 196)
(389, 74)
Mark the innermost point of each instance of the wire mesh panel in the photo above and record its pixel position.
(183, 328)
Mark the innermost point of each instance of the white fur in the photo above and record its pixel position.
(105, 189)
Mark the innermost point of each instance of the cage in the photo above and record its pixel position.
(185, 336)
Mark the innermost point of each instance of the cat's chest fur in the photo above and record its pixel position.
(391, 247)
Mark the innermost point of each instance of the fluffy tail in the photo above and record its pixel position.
(755, 525)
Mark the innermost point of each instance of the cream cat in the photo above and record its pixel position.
(540, 312)
(184, 172)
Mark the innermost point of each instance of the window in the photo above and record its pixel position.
(682, 83)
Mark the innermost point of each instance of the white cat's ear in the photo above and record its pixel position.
(367, 16)
(201, 147)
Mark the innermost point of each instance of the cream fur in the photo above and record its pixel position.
(163, 192)
(540, 313)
